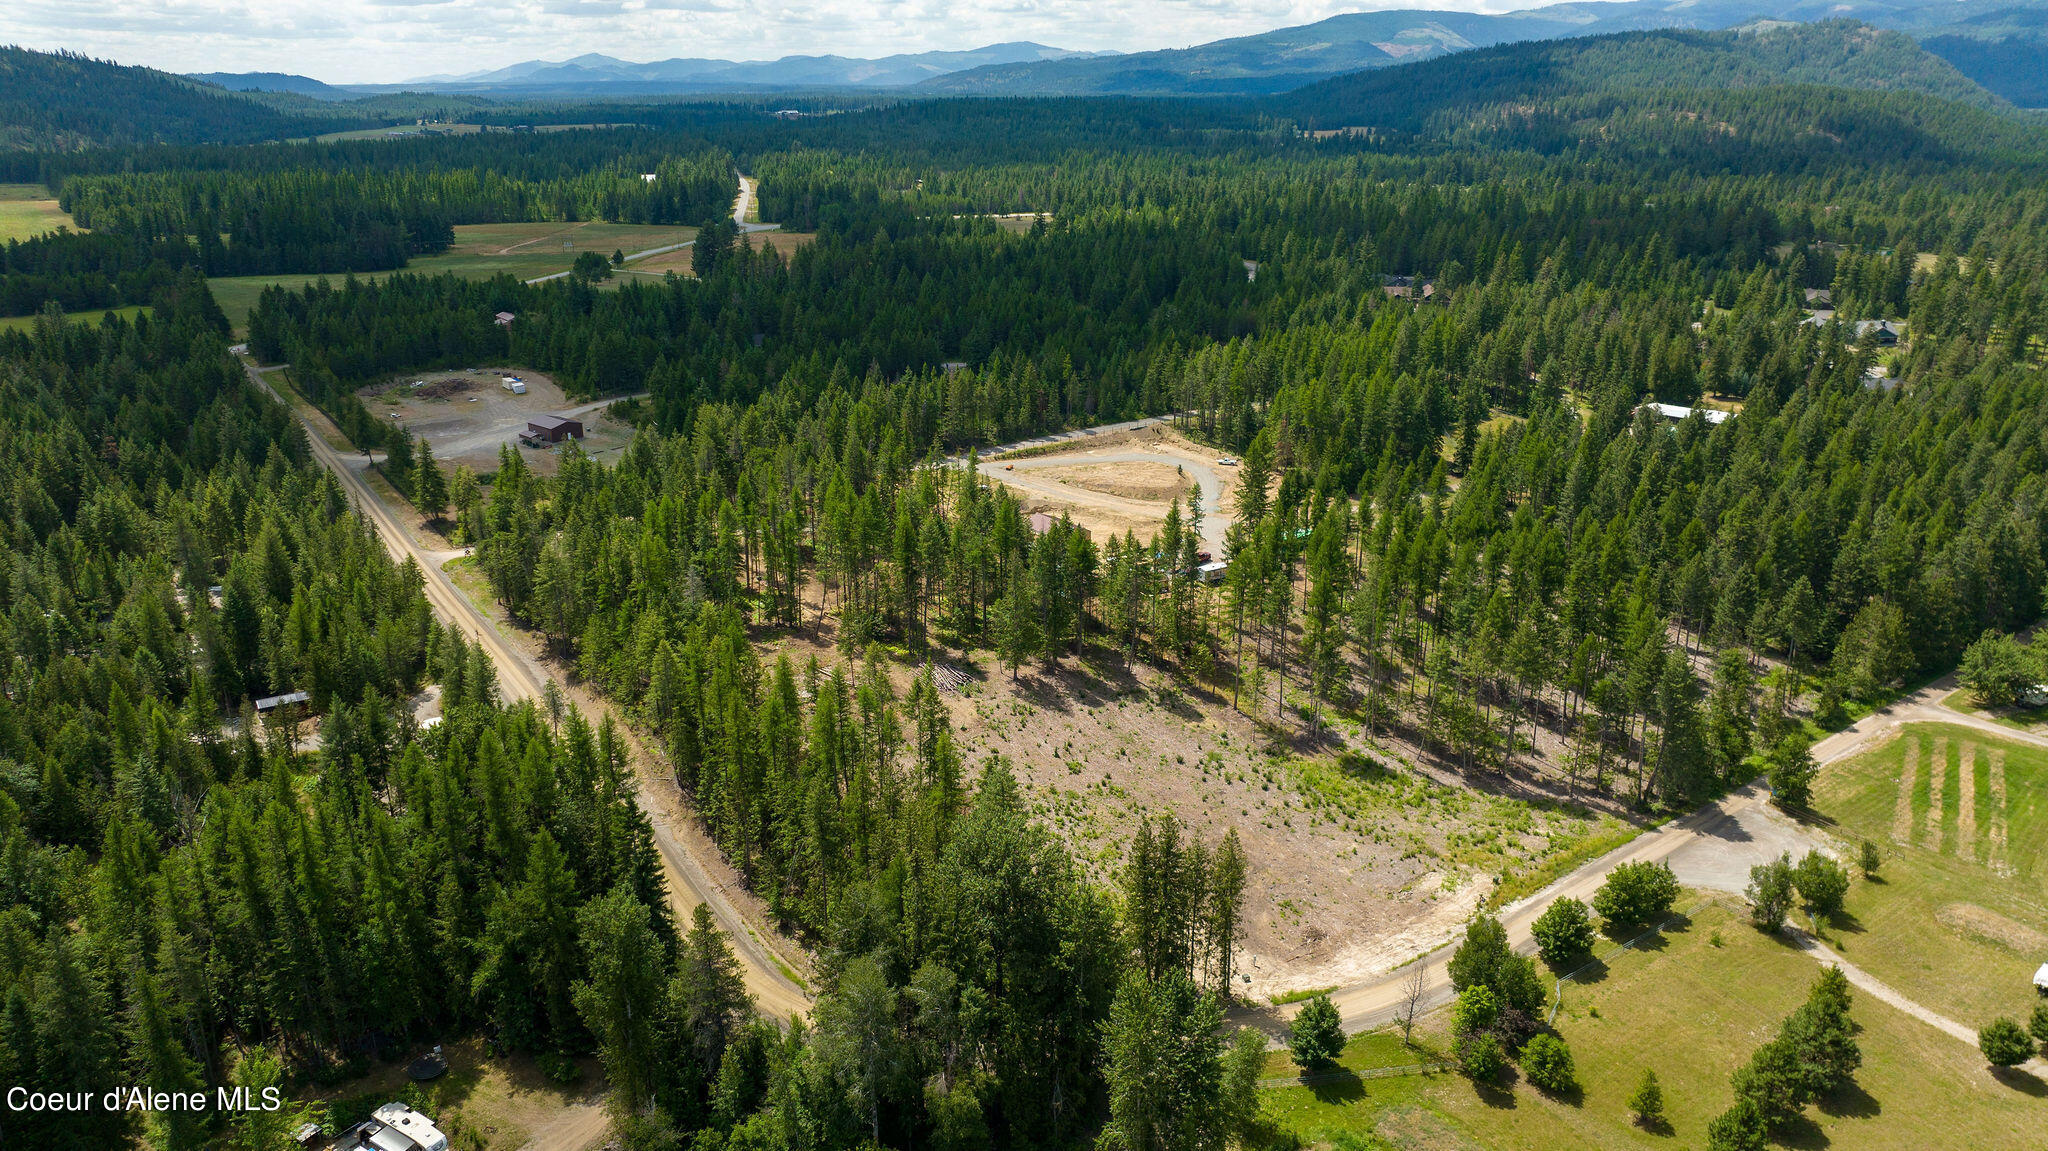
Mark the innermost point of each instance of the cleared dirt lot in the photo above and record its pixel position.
(466, 416)
(1124, 481)
(1354, 864)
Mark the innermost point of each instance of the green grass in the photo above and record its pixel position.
(28, 210)
(1287, 997)
(1473, 832)
(480, 252)
(1914, 928)
(28, 323)
(1692, 1012)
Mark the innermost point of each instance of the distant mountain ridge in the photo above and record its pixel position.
(597, 72)
(272, 82)
(1839, 54)
(1993, 40)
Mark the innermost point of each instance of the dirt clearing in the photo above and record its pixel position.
(468, 415)
(1123, 481)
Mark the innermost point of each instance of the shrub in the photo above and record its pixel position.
(1563, 932)
(1316, 1036)
(1647, 1104)
(1870, 859)
(2039, 1025)
(1480, 1057)
(1636, 894)
(1548, 1064)
(2005, 1043)
(1475, 1011)
(1823, 884)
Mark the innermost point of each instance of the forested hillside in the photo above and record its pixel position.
(61, 102)
(1841, 54)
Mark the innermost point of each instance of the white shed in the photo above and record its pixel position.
(2041, 979)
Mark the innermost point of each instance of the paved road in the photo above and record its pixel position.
(1377, 1001)
(520, 678)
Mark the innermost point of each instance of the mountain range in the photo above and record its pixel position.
(1997, 43)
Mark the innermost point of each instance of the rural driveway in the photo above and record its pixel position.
(1731, 827)
(520, 678)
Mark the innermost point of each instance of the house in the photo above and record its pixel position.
(1879, 332)
(1679, 415)
(553, 429)
(503, 319)
(273, 702)
(789, 114)
(649, 177)
(1408, 287)
(1878, 378)
(1818, 299)
(1041, 523)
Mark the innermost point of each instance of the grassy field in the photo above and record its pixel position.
(1692, 1011)
(27, 323)
(480, 252)
(28, 210)
(1960, 919)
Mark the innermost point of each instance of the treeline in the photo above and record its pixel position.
(340, 209)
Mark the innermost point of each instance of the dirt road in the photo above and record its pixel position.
(689, 881)
(1377, 1001)
(742, 204)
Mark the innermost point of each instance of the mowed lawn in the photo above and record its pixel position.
(28, 211)
(1959, 921)
(1692, 1011)
(481, 251)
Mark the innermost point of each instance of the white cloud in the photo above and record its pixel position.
(384, 41)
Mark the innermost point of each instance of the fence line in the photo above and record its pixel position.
(1339, 1076)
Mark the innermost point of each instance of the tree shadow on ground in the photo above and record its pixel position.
(1337, 1085)
(2025, 1082)
(1583, 970)
(1803, 1132)
(1852, 1102)
(1499, 1094)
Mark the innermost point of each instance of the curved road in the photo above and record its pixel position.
(1214, 522)
(741, 205)
(1378, 1001)
(519, 678)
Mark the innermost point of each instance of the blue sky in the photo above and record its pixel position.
(383, 41)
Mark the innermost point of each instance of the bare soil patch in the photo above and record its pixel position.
(1124, 481)
(1136, 480)
(1984, 924)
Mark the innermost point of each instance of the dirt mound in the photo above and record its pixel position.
(1991, 927)
(444, 387)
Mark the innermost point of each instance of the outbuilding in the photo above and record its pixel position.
(2041, 979)
(503, 319)
(273, 702)
(554, 429)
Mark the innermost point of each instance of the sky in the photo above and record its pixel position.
(387, 41)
